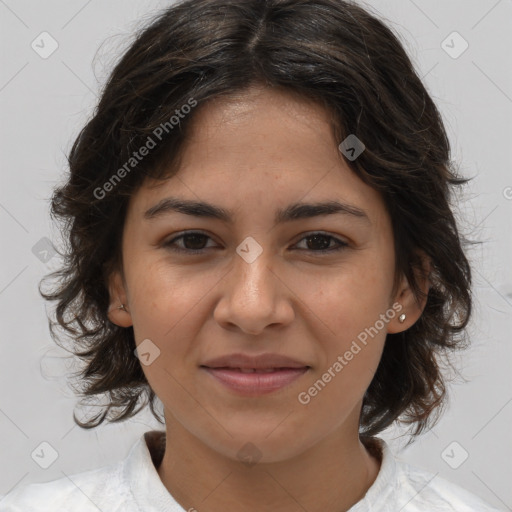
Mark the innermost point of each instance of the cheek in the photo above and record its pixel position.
(168, 308)
(161, 296)
(156, 312)
(351, 314)
(346, 299)
(351, 336)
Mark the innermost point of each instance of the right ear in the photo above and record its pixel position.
(118, 296)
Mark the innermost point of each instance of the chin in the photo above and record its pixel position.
(260, 444)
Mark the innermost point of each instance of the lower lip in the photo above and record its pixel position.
(255, 383)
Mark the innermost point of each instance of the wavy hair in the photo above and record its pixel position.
(331, 51)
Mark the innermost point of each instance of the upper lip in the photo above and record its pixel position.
(262, 361)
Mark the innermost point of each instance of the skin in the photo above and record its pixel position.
(254, 153)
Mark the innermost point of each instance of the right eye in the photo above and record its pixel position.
(195, 241)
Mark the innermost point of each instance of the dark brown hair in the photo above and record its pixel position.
(331, 51)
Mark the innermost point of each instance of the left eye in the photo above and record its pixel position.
(195, 240)
(324, 241)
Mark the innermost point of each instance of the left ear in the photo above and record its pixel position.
(412, 307)
(118, 296)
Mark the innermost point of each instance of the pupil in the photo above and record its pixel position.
(315, 239)
(195, 238)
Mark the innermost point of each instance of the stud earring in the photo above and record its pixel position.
(121, 307)
(401, 318)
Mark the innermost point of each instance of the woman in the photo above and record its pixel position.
(261, 238)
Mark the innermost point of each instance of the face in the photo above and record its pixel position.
(301, 292)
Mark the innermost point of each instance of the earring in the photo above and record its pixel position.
(401, 318)
(121, 307)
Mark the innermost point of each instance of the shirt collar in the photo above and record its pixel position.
(383, 490)
(140, 473)
(151, 495)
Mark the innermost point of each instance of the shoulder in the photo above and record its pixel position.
(103, 489)
(419, 490)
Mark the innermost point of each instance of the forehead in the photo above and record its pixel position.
(263, 149)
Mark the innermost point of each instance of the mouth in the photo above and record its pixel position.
(252, 370)
(252, 381)
(254, 375)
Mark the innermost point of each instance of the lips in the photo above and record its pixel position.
(260, 362)
(253, 370)
(254, 375)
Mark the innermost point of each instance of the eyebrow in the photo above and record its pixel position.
(292, 212)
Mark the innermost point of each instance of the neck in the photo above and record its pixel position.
(333, 475)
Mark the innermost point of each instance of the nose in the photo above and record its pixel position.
(254, 297)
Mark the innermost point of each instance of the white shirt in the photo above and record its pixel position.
(133, 485)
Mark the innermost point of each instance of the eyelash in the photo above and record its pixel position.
(341, 245)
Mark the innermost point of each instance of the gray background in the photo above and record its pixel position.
(45, 101)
